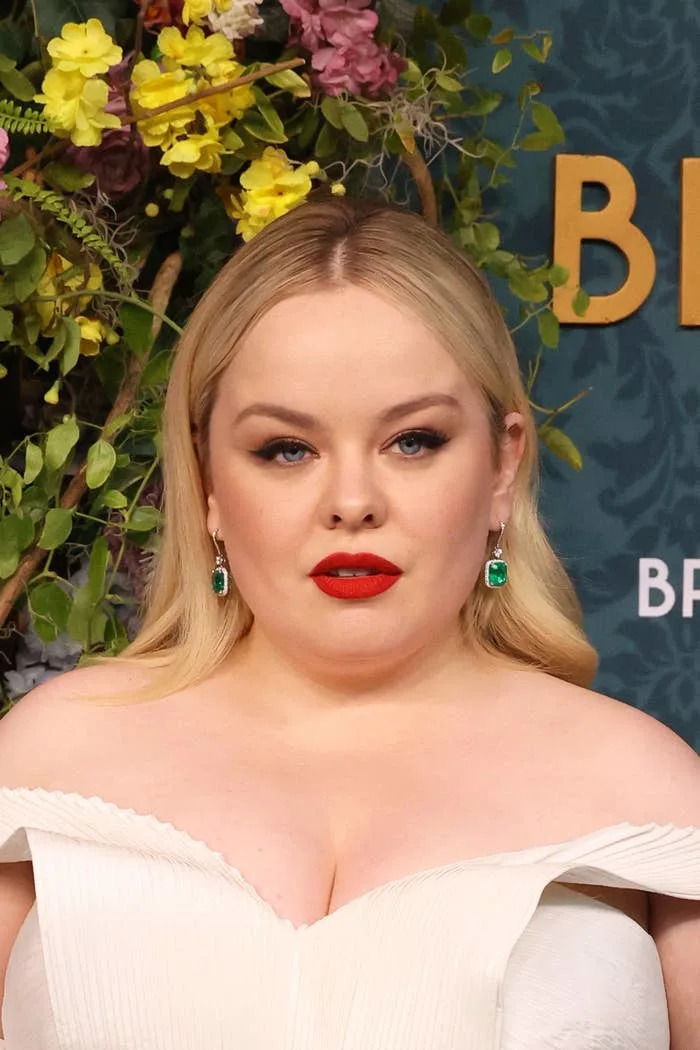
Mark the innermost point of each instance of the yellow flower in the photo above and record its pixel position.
(337, 189)
(53, 283)
(152, 89)
(196, 10)
(214, 52)
(92, 332)
(196, 152)
(84, 48)
(228, 105)
(75, 106)
(271, 186)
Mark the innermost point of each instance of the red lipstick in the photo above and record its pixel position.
(384, 575)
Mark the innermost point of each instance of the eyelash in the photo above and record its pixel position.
(432, 439)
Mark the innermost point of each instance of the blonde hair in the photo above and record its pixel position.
(186, 631)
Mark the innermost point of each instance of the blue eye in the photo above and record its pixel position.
(429, 439)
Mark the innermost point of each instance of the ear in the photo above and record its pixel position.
(511, 448)
(213, 515)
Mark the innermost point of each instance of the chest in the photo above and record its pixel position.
(314, 828)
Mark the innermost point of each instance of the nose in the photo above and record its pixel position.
(352, 496)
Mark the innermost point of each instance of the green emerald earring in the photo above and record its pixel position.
(496, 569)
(219, 575)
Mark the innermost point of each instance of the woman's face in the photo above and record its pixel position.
(419, 489)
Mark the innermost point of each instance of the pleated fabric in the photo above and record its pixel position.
(143, 938)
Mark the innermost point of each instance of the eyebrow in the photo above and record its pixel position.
(302, 419)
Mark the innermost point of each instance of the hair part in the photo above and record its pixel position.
(186, 631)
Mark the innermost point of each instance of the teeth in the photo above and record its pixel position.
(352, 572)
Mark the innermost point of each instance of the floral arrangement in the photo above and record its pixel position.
(132, 131)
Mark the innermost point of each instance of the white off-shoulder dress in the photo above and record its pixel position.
(143, 938)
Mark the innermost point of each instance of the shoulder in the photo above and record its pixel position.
(49, 725)
(650, 772)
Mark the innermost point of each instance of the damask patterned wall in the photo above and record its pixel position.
(623, 79)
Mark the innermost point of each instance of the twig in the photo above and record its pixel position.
(424, 184)
(161, 291)
(217, 89)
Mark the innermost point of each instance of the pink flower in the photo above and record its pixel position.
(308, 32)
(4, 154)
(345, 24)
(371, 69)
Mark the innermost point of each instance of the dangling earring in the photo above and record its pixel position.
(219, 574)
(496, 569)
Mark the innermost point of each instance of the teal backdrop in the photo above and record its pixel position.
(623, 80)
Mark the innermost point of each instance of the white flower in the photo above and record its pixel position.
(240, 20)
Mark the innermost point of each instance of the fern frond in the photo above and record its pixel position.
(26, 121)
(61, 208)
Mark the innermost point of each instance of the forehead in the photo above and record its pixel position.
(347, 340)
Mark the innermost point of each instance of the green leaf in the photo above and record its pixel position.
(455, 54)
(501, 60)
(354, 123)
(59, 443)
(136, 323)
(6, 325)
(27, 273)
(479, 26)
(14, 39)
(326, 143)
(57, 528)
(51, 17)
(33, 462)
(504, 36)
(71, 349)
(447, 83)
(144, 519)
(17, 238)
(18, 85)
(50, 606)
(536, 141)
(530, 48)
(561, 445)
(268, 111)
(10, 479)
(79, 617)
(16, 533)
(308, 127)
(580, 302)
(99, 560)
(259, 128)
(486, 236)
(9, 560)
(531, 289)
(547, 122)
(114, 500)
(330, 107)
(101, 459)
(558, 275)
(66, 176)
(484, 104)
(288, 80)
(548, 327)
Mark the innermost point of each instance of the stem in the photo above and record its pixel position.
(218, 89)
(161, 291)
(127, 515)
(48, 150)
(424, 184)
(562, 408)
(163, 318)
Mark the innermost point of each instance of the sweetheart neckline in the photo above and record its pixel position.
(164, 826)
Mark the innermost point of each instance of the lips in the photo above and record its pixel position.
(360, 560)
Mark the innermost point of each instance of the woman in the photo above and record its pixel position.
(312, 811)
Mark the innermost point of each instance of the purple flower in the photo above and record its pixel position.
(347, 24)
(308, 32)
(4, 154)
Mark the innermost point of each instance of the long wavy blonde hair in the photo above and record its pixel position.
(186, 631)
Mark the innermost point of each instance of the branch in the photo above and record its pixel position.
(161, 291)
(424, 184)
(217, 89)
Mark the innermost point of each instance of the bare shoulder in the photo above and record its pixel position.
(47, 726)
(652, 772)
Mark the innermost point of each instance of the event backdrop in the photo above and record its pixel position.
(623, 80)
